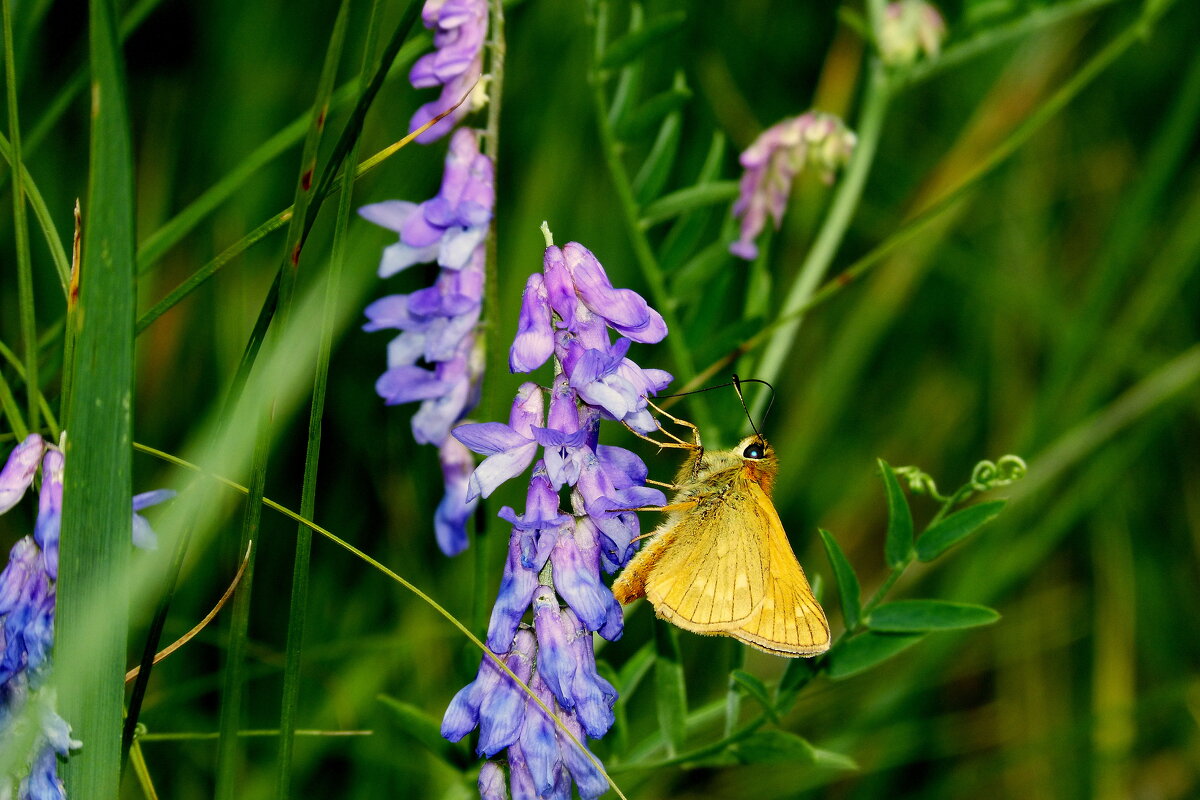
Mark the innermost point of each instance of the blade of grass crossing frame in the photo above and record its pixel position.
(305, 214)
(231, 698)
(96, 521)
(301, 565)
(20, 224)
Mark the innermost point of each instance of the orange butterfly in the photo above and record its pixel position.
(721, 564)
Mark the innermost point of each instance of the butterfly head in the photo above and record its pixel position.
(758, 461)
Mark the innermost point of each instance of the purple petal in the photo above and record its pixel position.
(527, 409)
(146, 499)
(516, 590)
(590, 780)
(577, 578)
(15, 580)
(450, 519)
(49, 519)
(391, 312)
(18, 471)
(538, 740)
(406, 384)
(560, 291)
(556, 660)
(391, 214)
(459, 244)
(144, 537)
(622, 466)
(492, 785)
(489, 438)
(400, 256)
(534, 341)
(593, 696)
(501, 711)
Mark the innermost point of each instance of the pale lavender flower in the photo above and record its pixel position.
(911, 29)
(437, 359)
(28, 588)
(555, 555)
(459, 32)
(813, 139)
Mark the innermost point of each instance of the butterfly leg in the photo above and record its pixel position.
(684, 506)
(678, 443)
(682, 422)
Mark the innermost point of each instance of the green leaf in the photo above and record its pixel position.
(929, 615)
(629, 677)
(655, 170)
(953, 529)
(832, 760)
(754, 687)
(631, 45)
(866, 650)
(898, 549)
(425, 729)
(686, 200)
(93, 583)
(650, 113)
(847, 581)
(774, 747)
(670, 693)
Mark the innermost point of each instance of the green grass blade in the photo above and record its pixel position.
(93, 600)
(913, 616)
(669, 690)
(308, 494)
(42, 214)
(229, 751)
(20, 224)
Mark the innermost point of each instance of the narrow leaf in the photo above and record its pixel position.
(632, 671)
(832, 760)
(688, 199)
(929, 615)
(650, 113)
(424, 729)
(847, 581)
(866, 650)
(93, 586)
(898, 548)
(774, 747)
(754, 687)
(953, 529)
(655, 170)
(671, 695)
(631, 45)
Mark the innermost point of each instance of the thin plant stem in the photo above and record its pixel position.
(833, 230)
(20, 224)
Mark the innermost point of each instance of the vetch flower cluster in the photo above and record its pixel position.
(813, 139)
(27, 604)
(555, 555)
(437, 359)
(459, 30)
(910, 29)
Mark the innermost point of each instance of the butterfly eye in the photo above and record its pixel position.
(755, 450)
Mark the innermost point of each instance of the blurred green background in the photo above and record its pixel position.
(1051, 312)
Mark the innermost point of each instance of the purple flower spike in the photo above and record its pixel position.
(566, 312)
(437, 360)
(17, 474)
(535, 337)
(813, 139)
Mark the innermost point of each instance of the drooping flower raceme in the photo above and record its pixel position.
(813, 139)
(555, 555)
(459, 30)
(27, 603)
(437, 360)
(911, 29)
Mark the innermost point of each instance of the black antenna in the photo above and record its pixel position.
(737, 387)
